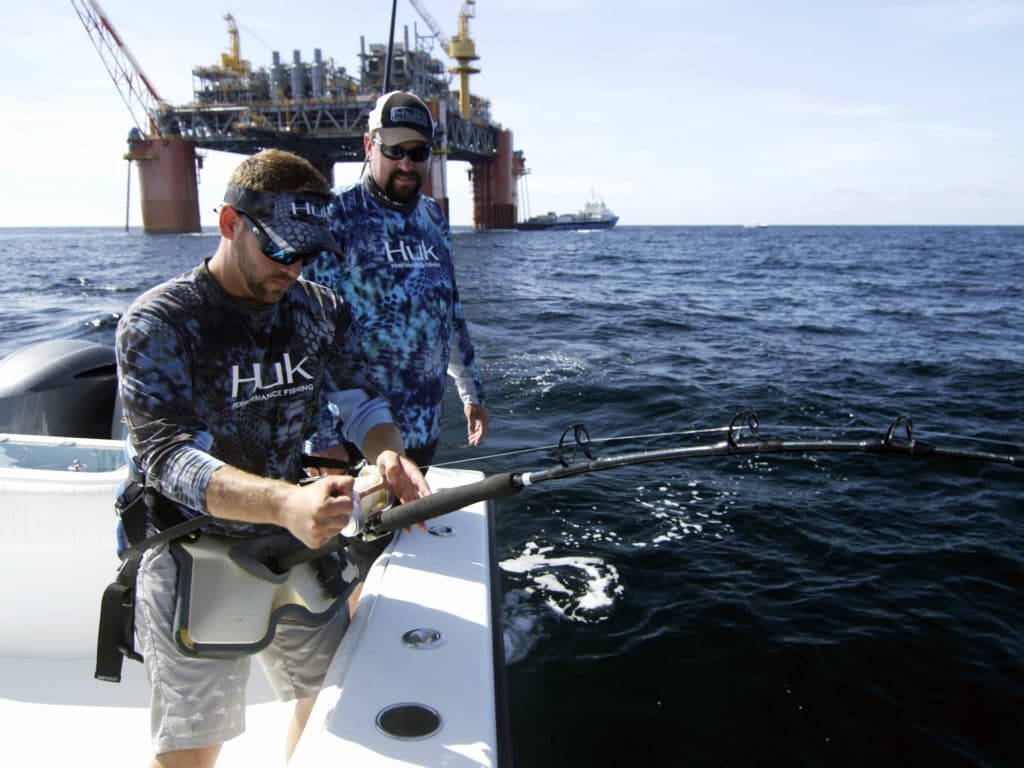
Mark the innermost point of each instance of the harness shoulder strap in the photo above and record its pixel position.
(116, 637)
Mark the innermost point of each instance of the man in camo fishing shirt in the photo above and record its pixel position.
(222, 372)
(395, 270)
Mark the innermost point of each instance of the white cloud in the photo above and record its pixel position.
(828, 108)
(952, 14)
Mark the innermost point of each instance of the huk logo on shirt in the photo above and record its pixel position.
(406, 255)
(274, 376)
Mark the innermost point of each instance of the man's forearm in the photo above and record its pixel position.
(380, 438)
(233, 494)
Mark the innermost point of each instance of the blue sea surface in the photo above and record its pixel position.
(806, 609)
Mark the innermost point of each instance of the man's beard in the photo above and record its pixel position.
(406, 194)
(262, 289)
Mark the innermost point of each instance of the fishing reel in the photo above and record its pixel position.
(370, 495)
(373, 497)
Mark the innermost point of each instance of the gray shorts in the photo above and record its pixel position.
(198, 702)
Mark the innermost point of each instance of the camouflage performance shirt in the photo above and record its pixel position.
(398, 277)
(207, 380)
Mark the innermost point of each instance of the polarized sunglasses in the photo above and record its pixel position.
(394, 152)
(270, 250)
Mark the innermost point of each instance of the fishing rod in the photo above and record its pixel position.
(602, 440)
(898, 439)
(391, 48)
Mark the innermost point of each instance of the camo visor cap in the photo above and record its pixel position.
(295, 224)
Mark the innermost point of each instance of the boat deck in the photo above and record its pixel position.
(53, 708)
(55, 711)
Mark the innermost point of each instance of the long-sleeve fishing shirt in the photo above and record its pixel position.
(208, 380)
(397, 275)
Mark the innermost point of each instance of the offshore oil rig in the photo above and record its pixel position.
(312, 108)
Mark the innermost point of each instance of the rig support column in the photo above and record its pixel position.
(436, 182)
(494, 189)
(167, 183)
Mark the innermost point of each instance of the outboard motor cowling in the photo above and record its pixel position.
(64, 387)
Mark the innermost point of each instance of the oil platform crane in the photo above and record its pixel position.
(463, 50)
(460, 49)
(232, 61)
(167, 163)
(139, 95)
(494, 178)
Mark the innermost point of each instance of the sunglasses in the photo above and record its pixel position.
(272, 251)
(394, 152)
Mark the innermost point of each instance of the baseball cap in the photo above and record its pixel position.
(296, 224)
(400, 116)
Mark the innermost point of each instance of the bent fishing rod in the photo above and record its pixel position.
(898, 439)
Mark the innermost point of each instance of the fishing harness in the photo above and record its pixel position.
(137, 506)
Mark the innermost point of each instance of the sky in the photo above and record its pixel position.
(675, 112)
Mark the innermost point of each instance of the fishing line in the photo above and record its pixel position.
(554, 446)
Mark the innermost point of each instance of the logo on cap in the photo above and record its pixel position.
(410, 115)
(304, 208)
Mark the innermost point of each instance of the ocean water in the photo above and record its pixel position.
(800, 609)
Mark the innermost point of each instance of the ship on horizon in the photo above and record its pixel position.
(595, 215)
